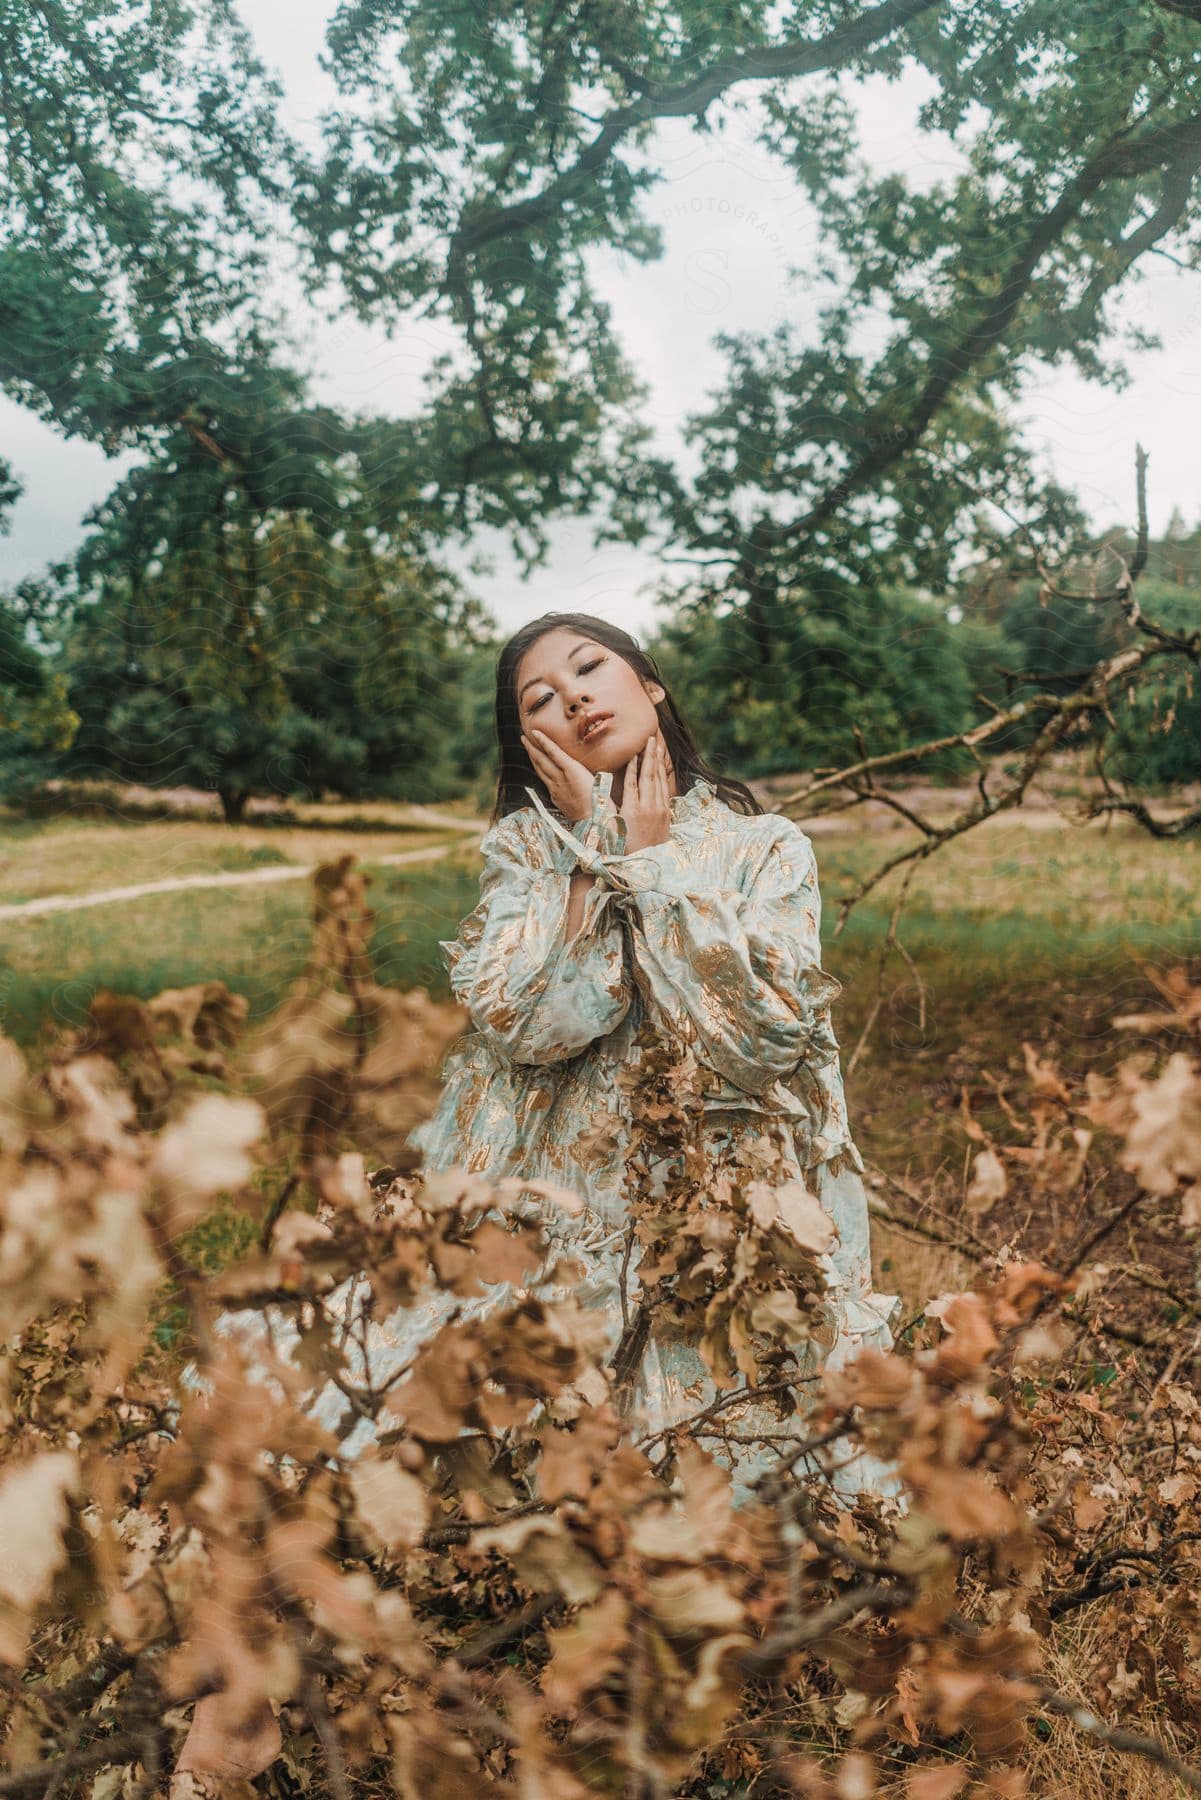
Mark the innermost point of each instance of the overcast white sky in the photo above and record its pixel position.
(734, 224)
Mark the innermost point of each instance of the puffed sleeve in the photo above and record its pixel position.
(733, 968)
(536, 995)
(737, 970)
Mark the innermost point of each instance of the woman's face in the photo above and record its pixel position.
(566, 678)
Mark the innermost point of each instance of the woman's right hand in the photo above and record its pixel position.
(567, 781)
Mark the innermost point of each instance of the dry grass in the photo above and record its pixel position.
(74, 856)
(1103, 881)
(914, 1268)
(1017, 934)
(1064, 1764)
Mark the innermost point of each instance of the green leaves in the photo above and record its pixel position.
(139, 145)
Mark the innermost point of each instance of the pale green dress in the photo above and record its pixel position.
(714, 933)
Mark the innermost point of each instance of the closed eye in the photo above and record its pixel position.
(583, 670)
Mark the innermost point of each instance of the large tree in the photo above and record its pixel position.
(219, 639)
(143, 187)
(141, 153)
(239, 614)
(477, 160)
(474, 163)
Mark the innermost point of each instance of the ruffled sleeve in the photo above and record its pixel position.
(536, 995)
(737, 971)
(733, 969)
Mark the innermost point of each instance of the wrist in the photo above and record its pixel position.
(635, 841)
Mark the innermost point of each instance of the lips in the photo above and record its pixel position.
(588, 725)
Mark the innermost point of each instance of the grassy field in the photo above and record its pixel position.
(253, 938)
(39, 857)
(1015, 933)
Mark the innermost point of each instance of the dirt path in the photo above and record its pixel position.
(429, 815)
(1032, 816)
(174, 884)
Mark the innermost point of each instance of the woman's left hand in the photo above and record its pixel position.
(646, 795)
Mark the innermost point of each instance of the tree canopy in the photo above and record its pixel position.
(475, 161)
(471, 169)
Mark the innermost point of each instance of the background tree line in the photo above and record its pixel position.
(291, 664)
(263, 602)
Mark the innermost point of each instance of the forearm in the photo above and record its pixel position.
(581, 881)
(539, 992)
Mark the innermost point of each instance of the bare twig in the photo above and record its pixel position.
(1115, 1738)
(483, 1645)
(802, 1634)
(121, 1747)
(1184, 826)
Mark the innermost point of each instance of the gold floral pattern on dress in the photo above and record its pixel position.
(716, 935)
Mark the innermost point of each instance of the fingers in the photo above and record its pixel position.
(661, 770)
(657, 750)
(649, 772)
(646, 795)
(543, 769)
(538, 745)
(646, 775)
(543, 755)
(547, 771)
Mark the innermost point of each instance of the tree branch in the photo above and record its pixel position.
(874, 1597)
(1178, 144)
(772, 62)
(1150, 1749)
(1064, 712)
(1138, 810)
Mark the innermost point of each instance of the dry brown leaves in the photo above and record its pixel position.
(504, 1591)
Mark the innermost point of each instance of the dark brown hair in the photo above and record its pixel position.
(515, 771)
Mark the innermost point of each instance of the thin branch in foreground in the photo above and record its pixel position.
(1138, 810)
(802, 1634)
(494, 1637)
(1130, 1743)
(1115, 1738)
(103, 1753)
(312, 1697)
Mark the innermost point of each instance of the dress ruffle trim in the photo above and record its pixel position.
(866, 1321)
(602, 834)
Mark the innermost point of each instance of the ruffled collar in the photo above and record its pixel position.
(699, 795)
(598, 831)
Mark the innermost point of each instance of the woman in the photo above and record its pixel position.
(623, 877)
